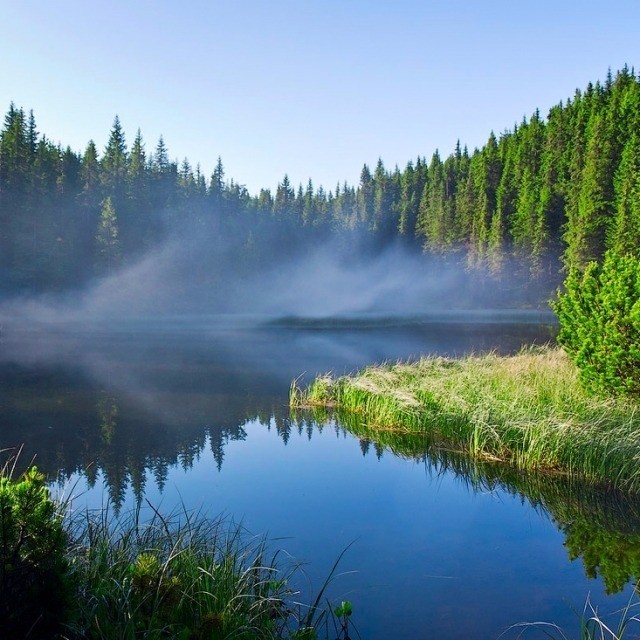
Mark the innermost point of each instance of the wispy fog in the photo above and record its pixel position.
(191, 320)
(194, 277)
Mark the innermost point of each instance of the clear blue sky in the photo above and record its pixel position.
(312, 88)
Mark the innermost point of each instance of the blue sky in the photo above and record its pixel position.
(311, 88)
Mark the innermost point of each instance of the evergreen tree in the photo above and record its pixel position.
(32, 136)
(485, 170)
(88, 200)
(265, 202)
(526, 228)
(114, 163)
(554, 179)
(624, 237)
(163, 180)
(216, 186)
(365, 197)
(386, 189)
(285, 196)
(107, 242)
(138, 230)
(586, 231)
(349, 207)
(308, 208)
(409, 202)
(432, 223)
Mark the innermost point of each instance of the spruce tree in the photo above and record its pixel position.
(624, 236)
(216, 186)
(138, 230)
(114, 163)
(107, 241)
(365, 197)
(408, 204)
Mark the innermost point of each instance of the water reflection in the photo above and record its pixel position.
(146, 394)
(200, 412)
(600, 525)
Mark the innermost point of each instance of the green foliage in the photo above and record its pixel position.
(343, 614)
(565, 185)
(599, 318)
(607, 552)
(107, 242)
(527, 410)
(182, 576)
(34, 573)
(90, 577)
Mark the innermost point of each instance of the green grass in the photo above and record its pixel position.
(526, 410)
(183, 577)
(93, 575)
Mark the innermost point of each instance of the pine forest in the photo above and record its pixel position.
(546, 196)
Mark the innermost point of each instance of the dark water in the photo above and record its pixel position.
(194, 412)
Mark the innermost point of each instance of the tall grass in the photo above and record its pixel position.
(527, 410)
(184, 577)
(619, 625)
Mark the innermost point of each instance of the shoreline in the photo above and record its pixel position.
(526, 410)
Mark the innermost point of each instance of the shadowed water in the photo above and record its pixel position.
(194, 412)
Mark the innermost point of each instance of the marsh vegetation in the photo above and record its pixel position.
(91, 575)
(528, 411)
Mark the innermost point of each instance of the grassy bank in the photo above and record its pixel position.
(187, 577)
(527, 410)
(90, 575)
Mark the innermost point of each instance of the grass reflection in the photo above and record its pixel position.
(601, 525)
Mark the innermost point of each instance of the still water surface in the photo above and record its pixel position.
(194, 412)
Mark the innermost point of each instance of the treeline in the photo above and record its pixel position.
(550, 193)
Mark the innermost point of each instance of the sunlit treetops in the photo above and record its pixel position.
(551, 192)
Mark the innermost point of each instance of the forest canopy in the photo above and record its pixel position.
(547, 196)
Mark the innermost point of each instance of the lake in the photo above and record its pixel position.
(194, 412)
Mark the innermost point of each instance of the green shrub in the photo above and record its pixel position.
(599, 318)
(34, 572)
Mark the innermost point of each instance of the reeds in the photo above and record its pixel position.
(593, 625)
(95, 575)
(184, 576)
(526, 410)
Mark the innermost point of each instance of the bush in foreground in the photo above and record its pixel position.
(90, 576)
(599, 318)
(35, 582)
(187, 577)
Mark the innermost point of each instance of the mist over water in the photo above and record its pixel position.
(190, 278)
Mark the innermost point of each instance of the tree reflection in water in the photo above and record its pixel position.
(601, 526)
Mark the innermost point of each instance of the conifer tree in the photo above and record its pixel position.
(408, 204)
(432, 223)
(308, 209)
(624, 235)
(526, 228)
(285, 196)
(383, 223)
(365, 197)
(138, 230)
(586, 231)
(485, 171)
(114, 163)
(216, 186)
(107, 241)
(554, 179)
